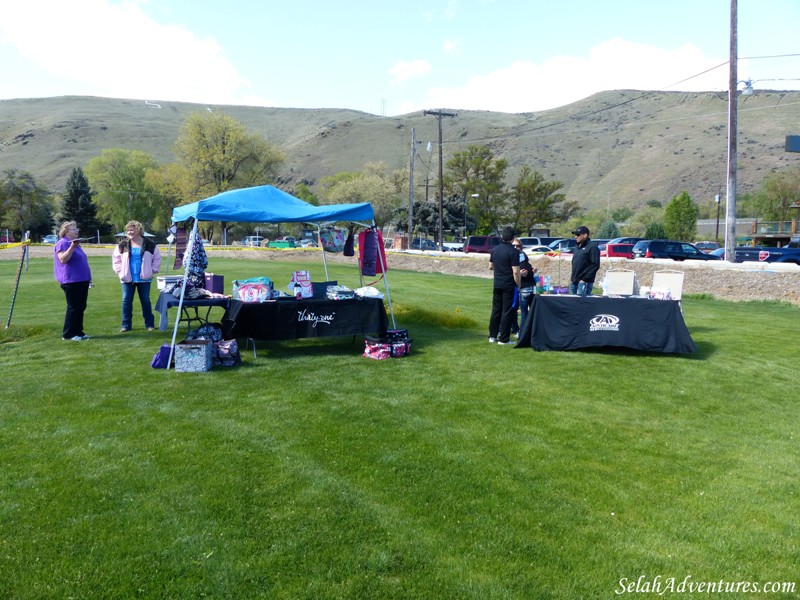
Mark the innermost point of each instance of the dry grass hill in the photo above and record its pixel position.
(617, 148)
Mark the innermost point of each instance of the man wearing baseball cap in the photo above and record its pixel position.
(585, 263)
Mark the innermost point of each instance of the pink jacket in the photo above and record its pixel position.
(121, 261)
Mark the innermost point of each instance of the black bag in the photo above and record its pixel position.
(208, 331)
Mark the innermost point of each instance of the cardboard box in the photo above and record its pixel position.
(193, 356)
(162, 282)
(215, 283)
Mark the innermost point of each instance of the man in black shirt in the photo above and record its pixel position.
(504, 261)
(585, 263)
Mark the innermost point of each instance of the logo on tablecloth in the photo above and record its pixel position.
(313, 318)
(604, 323)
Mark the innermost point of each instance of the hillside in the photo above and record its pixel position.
(617, 148)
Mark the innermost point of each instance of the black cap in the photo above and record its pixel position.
(580, 230)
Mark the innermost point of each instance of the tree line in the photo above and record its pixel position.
(215, 153)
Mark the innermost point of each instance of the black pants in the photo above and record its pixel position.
(503, 312)
(77, 294)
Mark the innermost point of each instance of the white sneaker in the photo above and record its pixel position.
(76, 338)
(504, 343)
(492, 340)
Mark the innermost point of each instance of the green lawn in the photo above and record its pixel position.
(466, 470)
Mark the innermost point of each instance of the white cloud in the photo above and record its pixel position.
(404, 70)
(526, 87)
(451, 47)
(118, 51)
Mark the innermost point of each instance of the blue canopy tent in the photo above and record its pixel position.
(268, 204)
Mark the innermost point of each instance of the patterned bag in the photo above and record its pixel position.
(380, 348)
(226, 354)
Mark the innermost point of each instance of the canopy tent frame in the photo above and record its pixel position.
(268, 204)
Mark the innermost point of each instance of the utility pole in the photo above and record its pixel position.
(439, 114)
(730, 205)
(411, 188)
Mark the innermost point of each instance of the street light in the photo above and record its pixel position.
(717, 199)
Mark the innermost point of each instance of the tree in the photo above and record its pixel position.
(680, 218)
(219, 155)
(24, 204)
(772, 202)
(608, 230)
(119, 181)
(374, 185)
(77, 204)
(656, 231)
(475, 171)
(535, 201)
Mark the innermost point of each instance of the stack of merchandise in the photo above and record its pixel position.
(339, 292)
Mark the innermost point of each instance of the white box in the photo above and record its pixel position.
(162, 282)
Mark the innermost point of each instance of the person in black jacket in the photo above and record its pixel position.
(504, 261)
(585, 263)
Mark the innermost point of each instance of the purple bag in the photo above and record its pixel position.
(161, 358)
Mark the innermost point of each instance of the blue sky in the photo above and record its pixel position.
(389, 58)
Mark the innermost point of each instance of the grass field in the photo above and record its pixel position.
(466, 470)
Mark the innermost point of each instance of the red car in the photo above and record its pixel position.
(617, 250)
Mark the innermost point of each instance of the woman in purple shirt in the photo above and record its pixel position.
(71, 270)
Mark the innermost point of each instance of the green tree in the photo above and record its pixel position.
(77, 204)
(534, 201)
(773, 200)
(374, 185)
(120, 184)
(655, 231)
(680, 218)
(220, 155)
(608, 230)
(304, 192)
(476, 175)
(25, 206)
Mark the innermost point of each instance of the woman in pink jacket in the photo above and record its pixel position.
(136, 260)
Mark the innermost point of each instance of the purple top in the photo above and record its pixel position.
(76, 269)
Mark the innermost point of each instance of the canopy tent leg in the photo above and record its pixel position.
(321, 249)
(16, 282)
(186, 266)
(382, 257)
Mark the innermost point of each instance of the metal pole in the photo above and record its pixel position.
(411, 187)
(730, 207)
(717, 198)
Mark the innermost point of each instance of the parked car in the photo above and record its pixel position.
(422, 244)
(309, 243)
(50, 239)
(7, 238)
(534, 250)
(610, 250)
(669, 249)
(563, 245)
(481, 243)
(453, 247)
(252, 240)
(530, 241)
(706, 247)
(625, 240)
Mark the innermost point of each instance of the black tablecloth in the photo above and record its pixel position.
(166, 301)
(558, 322)
(288, 319)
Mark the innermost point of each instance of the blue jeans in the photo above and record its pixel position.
(143, 289)
(584, 288)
